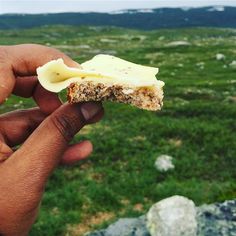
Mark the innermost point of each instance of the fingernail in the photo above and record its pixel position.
(90, 109)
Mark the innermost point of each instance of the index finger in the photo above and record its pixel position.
(27, 58)
(23, 60)
(29, 87)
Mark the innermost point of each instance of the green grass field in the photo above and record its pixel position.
(196, 127)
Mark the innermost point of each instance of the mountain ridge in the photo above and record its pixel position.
(145, 19)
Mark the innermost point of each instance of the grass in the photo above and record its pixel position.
(196, 126)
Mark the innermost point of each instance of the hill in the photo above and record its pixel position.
(196, 127)
(146, 19)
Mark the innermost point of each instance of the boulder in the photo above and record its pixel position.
(174, 216)
(217, 219)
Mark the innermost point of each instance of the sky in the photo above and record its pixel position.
(47, 6)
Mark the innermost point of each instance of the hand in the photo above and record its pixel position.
(44, 133)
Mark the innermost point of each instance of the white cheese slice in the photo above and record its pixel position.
(109, 70)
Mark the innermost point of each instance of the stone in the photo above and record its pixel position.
(124, 227)
(200, 65)
(217, 219)
(105, 40)
(173, 216)
(178, 43)
(164, 163)
(233, 64)
(220, 57)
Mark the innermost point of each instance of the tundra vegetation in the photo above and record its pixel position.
(196, 127)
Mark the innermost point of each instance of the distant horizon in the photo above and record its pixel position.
(103, 6)
(114, 11)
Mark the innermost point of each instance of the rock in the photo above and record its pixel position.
(174, 216)
(125, 227)
(70, 47)
(83, 46)
(178, 43)
(230, 99)
(105, 40)
(220, 57)
(164, 163)
(217, 219)
(161, 38)
(233, 64)
(201, 65)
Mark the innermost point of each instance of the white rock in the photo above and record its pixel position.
(174, 216)
(220, 57)
(201, 63)
(105, 40)
(233, 64)
(178, 43)
(85, 46)
(82, 46)
(164, 163)
(161, 38)
(231, 81)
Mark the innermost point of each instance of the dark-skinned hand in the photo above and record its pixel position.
(43, 132)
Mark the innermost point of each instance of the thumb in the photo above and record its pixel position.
(42, 151)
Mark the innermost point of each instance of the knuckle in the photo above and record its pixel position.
(53, 53)
(66, 125)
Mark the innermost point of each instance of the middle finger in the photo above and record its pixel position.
(28, 86)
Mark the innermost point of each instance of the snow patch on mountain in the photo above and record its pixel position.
(186, 8)
(216, 8)
(132, 11)
(145, 10)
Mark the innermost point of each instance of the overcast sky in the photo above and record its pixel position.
(45, 6)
